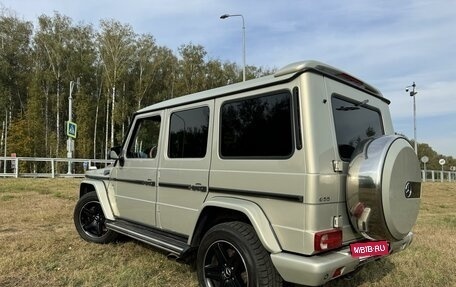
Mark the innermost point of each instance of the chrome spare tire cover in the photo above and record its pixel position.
(384, 188)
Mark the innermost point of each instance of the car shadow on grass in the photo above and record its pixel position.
(123, 239)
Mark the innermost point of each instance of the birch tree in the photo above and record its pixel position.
(14, 74)
(146, 65)
(82, 70)
(115, 44)
(191, 68)
(53, 40)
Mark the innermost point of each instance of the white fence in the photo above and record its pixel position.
(48, 167)
(58, 167)
(438, 175)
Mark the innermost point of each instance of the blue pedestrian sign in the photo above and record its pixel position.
(72, 129)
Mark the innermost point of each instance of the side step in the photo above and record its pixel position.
(174, 244)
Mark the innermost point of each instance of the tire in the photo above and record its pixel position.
(230, 254)
(90, 221)
(384, 188)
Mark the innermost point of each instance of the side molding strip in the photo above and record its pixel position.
(278, 196)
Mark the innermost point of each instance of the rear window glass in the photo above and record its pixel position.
(188, 133)
(354, 123)
(257, 127)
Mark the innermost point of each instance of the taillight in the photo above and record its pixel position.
(351, 79)
(327, 239)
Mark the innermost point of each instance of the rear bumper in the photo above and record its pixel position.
(319, 269)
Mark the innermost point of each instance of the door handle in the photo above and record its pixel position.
(150, 182)
(198, 187)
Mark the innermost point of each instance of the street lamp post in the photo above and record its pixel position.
(70, 141)
(224, 16)
(6, 138)
(412, 94)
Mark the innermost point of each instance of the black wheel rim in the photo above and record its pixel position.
(92, 220)
(224, 265)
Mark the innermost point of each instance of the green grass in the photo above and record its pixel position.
(6, 197)
(40, 247)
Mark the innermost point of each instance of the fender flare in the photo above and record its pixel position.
(254, 213)
(101, 190)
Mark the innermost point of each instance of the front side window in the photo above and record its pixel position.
(188, 133)
(144, 143)
(354, 122)
(257, 127)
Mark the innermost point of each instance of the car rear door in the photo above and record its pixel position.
(184, 166)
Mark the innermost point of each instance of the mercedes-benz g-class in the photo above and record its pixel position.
(297, 177)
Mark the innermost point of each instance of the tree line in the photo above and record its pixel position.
(114, 72)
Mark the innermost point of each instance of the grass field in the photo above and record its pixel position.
(40, 247)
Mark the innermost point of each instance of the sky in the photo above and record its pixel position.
(388, 43)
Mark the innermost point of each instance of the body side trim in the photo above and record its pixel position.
(278, 196)
(135, 181)
(201, 188)
(96, 177)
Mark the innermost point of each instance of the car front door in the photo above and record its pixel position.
(135, 174)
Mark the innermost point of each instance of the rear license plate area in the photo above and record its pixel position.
(364, 250)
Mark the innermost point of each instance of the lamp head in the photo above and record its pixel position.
(224, 16)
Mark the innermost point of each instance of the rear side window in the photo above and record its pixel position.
(354, 123)
(257, 127)
(188, 133)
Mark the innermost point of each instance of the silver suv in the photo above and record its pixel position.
(294, 177)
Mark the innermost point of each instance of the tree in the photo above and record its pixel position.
(14, 69)
(33, 116)
(192, 70)
(434, 157)
(145, 66)
(52, 43)
(115, 44)
(82, 71)
(165, 77)
(231, 74)
(256, 72)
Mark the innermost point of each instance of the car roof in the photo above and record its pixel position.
(282, 75)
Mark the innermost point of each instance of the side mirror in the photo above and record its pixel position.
(115, 152)
(120, 159)
(113, 155)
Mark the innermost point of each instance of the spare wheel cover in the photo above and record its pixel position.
(384, 188)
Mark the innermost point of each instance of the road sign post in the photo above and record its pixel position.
(424, 160)
(442, 163)
(72, 129)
